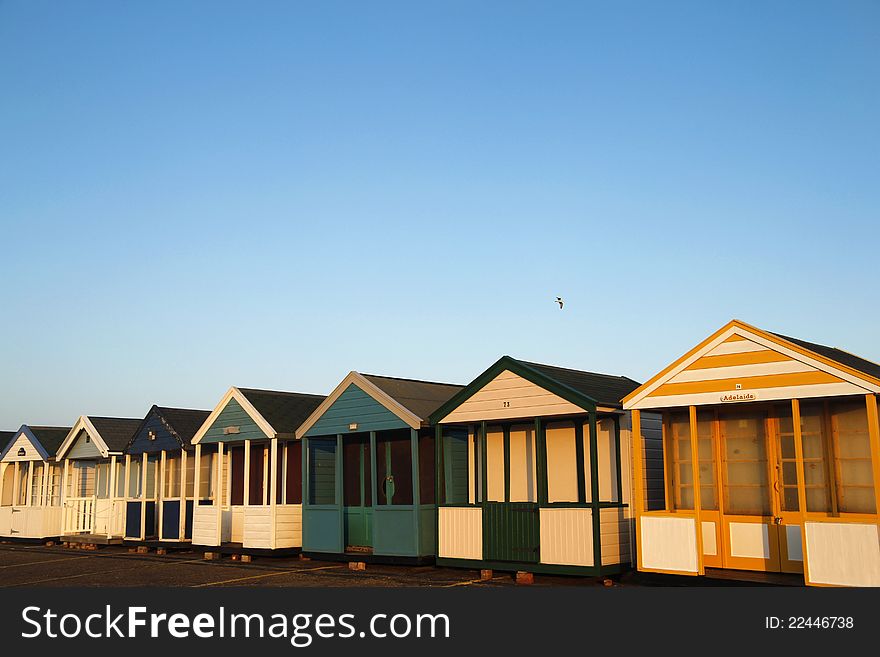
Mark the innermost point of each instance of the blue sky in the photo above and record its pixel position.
(204, 194)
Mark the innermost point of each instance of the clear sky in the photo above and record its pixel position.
(203, 194)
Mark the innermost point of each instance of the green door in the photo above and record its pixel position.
(511, 532)
(357, 492)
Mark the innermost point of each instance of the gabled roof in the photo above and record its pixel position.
(837, 355)
(420, 397)
(285, 411)
(182, 423)
(110, 434)
(409, 399)
(587, 390)
(50, 437)
(274, 411)
(801, 369)
(5, 439)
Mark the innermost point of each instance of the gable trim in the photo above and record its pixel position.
(756, 335)
(237, 395)
(24, 430)
(83, 424)
(516, 367)
(371, 389)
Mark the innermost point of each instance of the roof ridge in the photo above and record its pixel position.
(403, 378)
(571, 369)
(281, 392)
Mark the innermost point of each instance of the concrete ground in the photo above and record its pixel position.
(38, 565)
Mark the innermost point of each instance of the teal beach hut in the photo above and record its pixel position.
(368, 471)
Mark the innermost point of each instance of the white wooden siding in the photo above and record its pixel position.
(460, 533)
(669, 543)
(82, 449)
(843, 554)
(566, 536)
(510, 396)
(257, 532)
(204, 530)
(31, 453)
(31, 522)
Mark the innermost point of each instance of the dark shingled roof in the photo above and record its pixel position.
(115, 431)
(50, 437)
(183, 421)
(420, 397)
(837, 355)
(5, 437)
(285, 411)
(605, 389)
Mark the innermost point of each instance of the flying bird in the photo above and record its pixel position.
(560, 302)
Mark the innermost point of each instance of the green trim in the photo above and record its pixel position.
(541, 460)
(484, 467)
(594, 494)
(439, 468)
(539, 568)
(373, 483)
(416, 486)
(517, 367)
(616, 419)
(579, 459)
(339, 492)
(506, 433)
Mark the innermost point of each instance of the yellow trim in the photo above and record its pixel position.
(747, 383)
(735, 338)
(732, 360)
(695, 470)
(874, 438)
(737, 324)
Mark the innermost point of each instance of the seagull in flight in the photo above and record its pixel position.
(560, 302)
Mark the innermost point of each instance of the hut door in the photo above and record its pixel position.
(750, 529)
(510, 513)
(357, 492)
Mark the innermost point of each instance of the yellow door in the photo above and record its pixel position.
(750, 531)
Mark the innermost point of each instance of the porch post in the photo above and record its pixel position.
(181, 527)
(594, 492)
(541, 460)
(638, 483)
(16, 484)
(304, 467)
(64, 474)
(801, 483)
(247, 472)
(273, 486)
(160, 492)
(126, 479)
(438, 450)
(44, 490)
(197, 477)
(144, 461)
(112, 495)
(416, 489)
(218, 494)
(695, 469)
(29, 493)
(338, 490)
(484, 468)
(284, 472)
(374, 485)
(874, 438)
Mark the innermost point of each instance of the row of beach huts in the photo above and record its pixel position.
(752, 452)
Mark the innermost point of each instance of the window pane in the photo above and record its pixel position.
(394, 467)
(562, 484)
(152, 472)
(427, 492)
(135, 477)
(678, 438)
(855, 481)
(745, 467)
(190, 475)
(322, 470)
(37, 485)
(495, 464)
(356, 470)
(22, 484)
(523, 473)
(207, 475)
(294, 472)
(454, 457)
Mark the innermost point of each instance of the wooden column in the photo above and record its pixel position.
(594, 493)
(874, 438)
(484, 468)
(111, 493)
(273, 486)
(247, 472)
(541, 460)
(218, 495)
(374, 484)
(284, 473)
(338, 491)
(438, 472)
(638, 481)
(144, 462)
(30, 484)
(181, 526)
(416, 489)
(159, 506)
(580, 460)
(801, 482)
(197, 477)
(16, 484)
(695, 469)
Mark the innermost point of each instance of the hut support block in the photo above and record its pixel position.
(357, 565)
(486, 574)
(246, 558)
(524, 578)
(211, 556)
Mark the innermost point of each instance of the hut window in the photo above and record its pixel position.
(82, 479)
(257, 473)
(494, 464)
(207, 476)
(678, 446)
(171, 488)
(523, 469)
(562, 465)
(746, 489)
(190, 476)
(454, 466)
(102, 480)
(120, 479)
(607, 449)
(394, 467)
(426, 468)
(322, 471)
(135, 479)
(55, 485)
(22, 484)
(8, 485)
(233, 484)
(852, 457)
(37, 485)
(293, 482)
